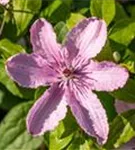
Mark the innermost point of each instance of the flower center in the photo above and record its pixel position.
(67, 72)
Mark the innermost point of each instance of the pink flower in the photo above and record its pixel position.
(72, 77)
(4, 2)
(122, 106)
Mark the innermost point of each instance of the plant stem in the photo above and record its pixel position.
(3, 22)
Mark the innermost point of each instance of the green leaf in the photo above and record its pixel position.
(120, 12)
(106, 53)
(117, 46)
(68, 3)
(11, 86)
(61, 31)
(74, 19)
(58, 10)
(39, 91)
(122, 129)
(123, 31)
(13, 130)
(108, 103)
(80, 4)
(127, 93)
(82, 141)
(129, 60)
(8, 48)
(24, 11)
(131, 10)
(63, 134)
(7, 100)
(79, 143)
(1, 9)
(104, 9)
(96, 8)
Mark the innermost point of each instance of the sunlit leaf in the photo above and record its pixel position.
(61, 31)
(104, 9)
(123, 31)
(79, 143)
(62, 134)
(74, 19)
(8, 48)
(122, 130)
(24, 11)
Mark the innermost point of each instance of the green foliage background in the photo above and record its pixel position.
(15, 21)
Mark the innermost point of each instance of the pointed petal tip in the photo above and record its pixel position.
(30, 70)
(101, 141)
(87, 38)
(47, 112)
(45, 128)
(124, 78)
(101, 137)
(90, 114)
(39, 21)
(31, 130)
(43, 37)
(9, 64)
(108, 76)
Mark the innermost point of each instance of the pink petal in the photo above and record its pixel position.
(87, 38)
(107, 76)
(122, 106)
(43, 39)
(89, 113)
(4, 2)
(47, 111)
(30, 70)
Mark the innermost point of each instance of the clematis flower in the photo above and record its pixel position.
(71, 74)
(4, 2)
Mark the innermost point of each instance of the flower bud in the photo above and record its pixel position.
(116, 56)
